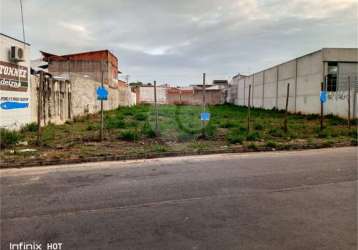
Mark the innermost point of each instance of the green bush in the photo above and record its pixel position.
(335, 120)
(325, 133)
(234, 138)
(148, 131)
(114, 122)
(312, 117)
(252, 146)
(259, 126)
(271, 144)
(210, 130)
(30, 127)
(184, 137)
(9, 138)
(140, 116)
(91, 127)
(227, 124)
(277, 132)
(160, 148)
(129, 135)
(253, 136)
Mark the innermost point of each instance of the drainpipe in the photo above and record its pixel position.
(263, 89)
(277, 75)
(244, 90)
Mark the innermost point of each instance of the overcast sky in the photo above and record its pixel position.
(175, 41)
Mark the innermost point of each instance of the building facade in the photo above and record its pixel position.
(336, 68)
(15, 84)
(95, 65)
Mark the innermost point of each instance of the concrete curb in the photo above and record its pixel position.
(36, 163)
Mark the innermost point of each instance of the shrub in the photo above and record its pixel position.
(271, 144)
(114, 122)
(324, 134)
(335, 120)
(140, 116)
(30, 127)
(259, 126)
(9, 138)
(210, 130)
(160, 148)
(91, 127)
(252, 146)
(312, 117)
(227, 124)
(129, 135)
(277, 132)
(234, 138)
(253, 136)
(148, 131)
(127, 111)
(183, 137)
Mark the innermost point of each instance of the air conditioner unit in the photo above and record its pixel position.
(16, 54)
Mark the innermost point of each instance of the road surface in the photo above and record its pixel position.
(276, 200)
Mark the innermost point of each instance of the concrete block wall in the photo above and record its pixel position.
(304, 74)
(84, 96)
(146, 95)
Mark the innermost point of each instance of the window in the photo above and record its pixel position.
(332, 76)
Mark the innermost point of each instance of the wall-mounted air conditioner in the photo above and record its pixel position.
(16, 54)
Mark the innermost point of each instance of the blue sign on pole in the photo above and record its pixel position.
(205, 116)
(323, 96)
(102, 93)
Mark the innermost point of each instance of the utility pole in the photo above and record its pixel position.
(39, 107)
(156, 109)
(321, 117)
(102, 85)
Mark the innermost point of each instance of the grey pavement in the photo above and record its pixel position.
(275, 200)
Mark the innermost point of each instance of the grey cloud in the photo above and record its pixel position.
(175, 41)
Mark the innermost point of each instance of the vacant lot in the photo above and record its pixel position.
(130, 131)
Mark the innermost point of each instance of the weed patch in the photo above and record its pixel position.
(9, 138)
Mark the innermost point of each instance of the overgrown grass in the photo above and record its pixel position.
(181, 125)
(9, 138)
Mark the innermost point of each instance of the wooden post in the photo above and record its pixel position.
(286, 110)
(156, 109)
(204, 105)
(102, 123)
(321, 117)
(39, 107)
(248, 111)
(349, 102)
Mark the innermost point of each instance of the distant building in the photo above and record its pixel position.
(96, 65)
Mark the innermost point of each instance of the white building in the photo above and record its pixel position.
(335, 67)
(15, 84)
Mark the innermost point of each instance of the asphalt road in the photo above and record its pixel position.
(280, 200)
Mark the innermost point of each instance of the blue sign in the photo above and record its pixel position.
(102, 93)
(205, 116)
(14, 105)
(323, 96)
